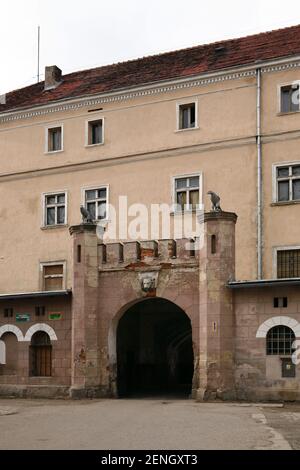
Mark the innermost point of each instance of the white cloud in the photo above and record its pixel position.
(83, 34)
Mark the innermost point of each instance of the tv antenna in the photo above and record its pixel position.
(38, 53)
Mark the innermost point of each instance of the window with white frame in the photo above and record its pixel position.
(53, 276)
(186, 116)
(96, 202)
(54, 209)
(288, 183)
(94, 132)
(54, 139)
(187, 193)
(289, 98)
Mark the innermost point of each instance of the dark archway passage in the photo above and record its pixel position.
(154, 350)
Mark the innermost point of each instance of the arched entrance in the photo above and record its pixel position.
(154, 350)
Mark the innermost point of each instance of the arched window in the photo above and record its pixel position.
(280, 341)
(40, 355)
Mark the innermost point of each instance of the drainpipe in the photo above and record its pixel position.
(259, 176)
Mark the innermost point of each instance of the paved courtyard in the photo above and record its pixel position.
(162, 424)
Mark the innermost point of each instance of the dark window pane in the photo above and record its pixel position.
(91, 207)
(283, 172)
(55, 139)
(61, 198)
(187, 116)
(51, 216)
(96, 132)
(296, 190)
(90, 195)
(102, 193)
(285, 100)
(283, 191)
(296, 170)
(194, 182)
(50, 200)
(61, 215)
(181, 183)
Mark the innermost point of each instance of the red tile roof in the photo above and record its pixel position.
(171, 65)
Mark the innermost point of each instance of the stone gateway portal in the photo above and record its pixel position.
(154, 350)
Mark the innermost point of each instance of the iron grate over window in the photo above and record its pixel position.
(280, 341)
(288, 263)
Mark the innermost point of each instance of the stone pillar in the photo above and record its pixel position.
(216, 335)
(85, 347)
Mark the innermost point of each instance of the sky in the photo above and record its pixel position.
(76, 35)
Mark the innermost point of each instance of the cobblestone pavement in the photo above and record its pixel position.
(146, 424)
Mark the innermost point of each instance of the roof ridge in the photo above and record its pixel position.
(182, 49)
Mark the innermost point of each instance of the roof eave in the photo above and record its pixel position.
(150, 85)
(264, 283)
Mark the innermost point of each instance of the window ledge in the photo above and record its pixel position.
(284, 203)
(288, 113)
(53, 227)
(191, 211)
(87, 146)
(187, 129)
(53, 152)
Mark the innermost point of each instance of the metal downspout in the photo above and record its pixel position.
(259, 177)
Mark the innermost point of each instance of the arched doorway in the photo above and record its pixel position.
(11, 354)
(154, 350)
(40, 355)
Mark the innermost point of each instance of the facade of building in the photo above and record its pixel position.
(120, 305)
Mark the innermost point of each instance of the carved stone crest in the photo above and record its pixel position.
(148, 281)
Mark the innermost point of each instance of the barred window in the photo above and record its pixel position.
(288, 183)
(280, 341)
(288, 263)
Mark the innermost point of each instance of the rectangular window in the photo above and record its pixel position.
(8, 312)
(288, 368)
(96, 203)
(288, 263)
(54, 139)
(55, 209)
(53, 277)
(40, 311)
(289, 98)
(187, 116)
(95, 132)
(288, 183)
(187, 193)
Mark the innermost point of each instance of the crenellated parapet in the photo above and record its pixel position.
(150, 252)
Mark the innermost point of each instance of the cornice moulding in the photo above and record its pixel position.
(151, 89)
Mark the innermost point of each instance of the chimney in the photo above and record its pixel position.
(53, 77)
